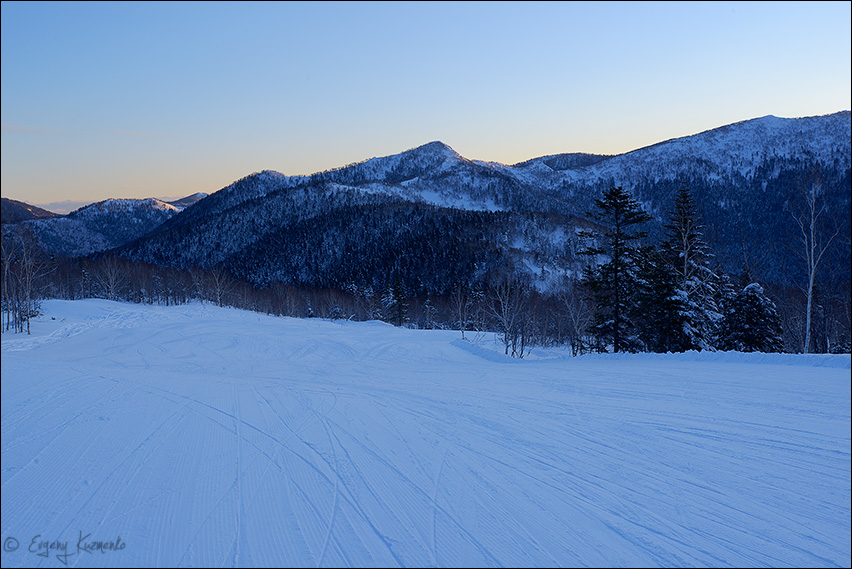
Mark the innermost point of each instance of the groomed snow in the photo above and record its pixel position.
(203, 436)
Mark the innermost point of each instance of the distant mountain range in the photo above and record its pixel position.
(432, 217)
(96, 227)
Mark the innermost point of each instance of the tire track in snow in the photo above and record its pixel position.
(350, 501)
(420, 491)
(336, 481)
(60, 429)
(239, 478)
(333, 465)
(115, 470)
(435, 510)
(409, 407)
(340, 482)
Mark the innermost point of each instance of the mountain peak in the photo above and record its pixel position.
(123, 205)
(435, 148)
(435, 145)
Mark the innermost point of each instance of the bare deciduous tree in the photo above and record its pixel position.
(23, 267)
(507, 303)
(462, 305)
(111, 276)
(578, 312)
(814, 244)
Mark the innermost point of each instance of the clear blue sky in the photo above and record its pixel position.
(167, 99)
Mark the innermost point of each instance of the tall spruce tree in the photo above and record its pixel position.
(687, 255)
(614, 284)
(662, 318)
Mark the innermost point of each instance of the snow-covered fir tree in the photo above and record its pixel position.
(750, 323)
(688, 256)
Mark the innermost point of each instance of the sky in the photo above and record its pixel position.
(149, 99)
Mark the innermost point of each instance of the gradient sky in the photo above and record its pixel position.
(167, 99)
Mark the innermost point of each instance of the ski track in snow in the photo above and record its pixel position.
(205, 436)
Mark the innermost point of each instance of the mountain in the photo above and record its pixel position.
(431, 217)
(13, 211)
(99, 226)
(731, 158)
(429, 210)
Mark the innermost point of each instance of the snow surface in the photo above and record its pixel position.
(204, 436)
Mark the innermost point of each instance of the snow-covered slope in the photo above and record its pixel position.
(728, 152)
(199, 436)
(250, 187)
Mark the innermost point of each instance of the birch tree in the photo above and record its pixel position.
(814, 244)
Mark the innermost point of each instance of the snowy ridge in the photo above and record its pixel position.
(435, 157)
(725, 154)
(203, 436)
(734, 150)
(253, 186)
(489, 348)
(122, 206)
(187, 201)
(743, 176)
(100, 226)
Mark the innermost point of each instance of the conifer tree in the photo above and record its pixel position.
(662, 315)
(725, 293)
(751, 323)
(686, 252)
(614, 284)
(395, 303)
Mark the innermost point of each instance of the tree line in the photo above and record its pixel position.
(632, 295)
(667, 297)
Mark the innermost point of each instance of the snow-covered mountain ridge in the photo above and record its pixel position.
(435, 173)
(100, 226)
(735, 150)
(745, 178)
(122, 206)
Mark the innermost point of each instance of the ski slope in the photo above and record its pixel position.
(195, 436)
